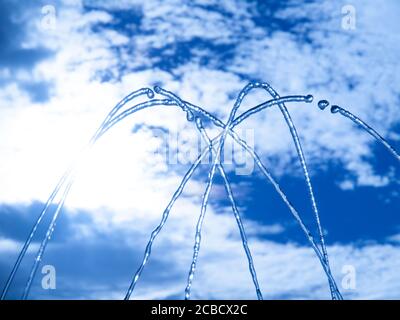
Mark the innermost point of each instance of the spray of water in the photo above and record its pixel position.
(236, 213)
(195, 114)
(216, 165)
(195, 109)
(165, 216)
(296, 140)
(322, 104)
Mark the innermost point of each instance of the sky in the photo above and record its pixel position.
(64, 65)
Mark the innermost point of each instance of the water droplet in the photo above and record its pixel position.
(322, 104)
(150, 94)
(157, 89)
(335, 109)
(189, 115)
(199, 122)
(309, 98)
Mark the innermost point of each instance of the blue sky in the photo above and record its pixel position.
(57, 83)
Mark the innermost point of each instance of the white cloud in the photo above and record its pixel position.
(394, 238)
(79, 101)
(8, 246)
(285, 271)
(120, 186)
